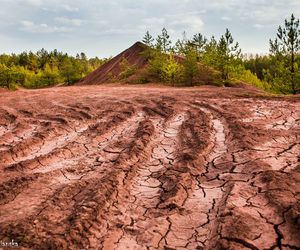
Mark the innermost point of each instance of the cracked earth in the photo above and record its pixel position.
(149, 168)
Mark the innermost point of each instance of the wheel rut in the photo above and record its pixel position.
(138, 200)
(68, 169)
(149, 168)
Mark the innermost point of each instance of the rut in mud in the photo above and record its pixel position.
(149, 168)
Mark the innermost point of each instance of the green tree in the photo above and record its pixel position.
(228, 54)
(126, 68)
(43, 57)
(257, 64)
(171, 70)
(190, 66)
(156, 62)
(67, 71)
(199, 42)
(23, 59)
(286, 47)
(148, 39)
(32, 63)
(50, 75)
(210, 54)
(180, 47)
(11, 76)
(163, 42)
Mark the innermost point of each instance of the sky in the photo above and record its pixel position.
(104, 28)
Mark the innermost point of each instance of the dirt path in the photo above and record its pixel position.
(149, 168)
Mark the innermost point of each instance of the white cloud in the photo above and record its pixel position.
(69, 21)
(36, 3)
(191, 22)
(226, 18)
(69, 8)
(32, 27)
(154, 20)
(258, 26)
(127, 20)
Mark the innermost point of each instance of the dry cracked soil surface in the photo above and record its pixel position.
(131, 167)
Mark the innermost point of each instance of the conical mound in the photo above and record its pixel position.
(112, 68)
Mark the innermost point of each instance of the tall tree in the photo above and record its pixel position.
(228, 53)
(190, 65)
(199, 42)
(181, 45)
(148, 39)
(171, 70)
(287, 45)
(43, 57)
(163, 41)
(210, 52)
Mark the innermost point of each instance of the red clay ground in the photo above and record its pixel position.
(133, 167)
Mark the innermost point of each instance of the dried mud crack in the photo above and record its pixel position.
(131, 167)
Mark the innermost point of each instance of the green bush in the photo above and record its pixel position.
(127, 69)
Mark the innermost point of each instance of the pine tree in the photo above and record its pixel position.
(171, 70)
(286, 46)
(148, 39)
(211, 53)
(199, 42)
(228, 53)
(181, 45)
(190, 66)
(163, 41)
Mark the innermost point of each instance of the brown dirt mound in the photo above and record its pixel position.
(112, 68)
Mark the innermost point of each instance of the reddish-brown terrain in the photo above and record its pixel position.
(110, 71)
(144, 167)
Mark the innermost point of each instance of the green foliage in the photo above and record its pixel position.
(156, 63)
(127, 69)
(284, 50)
(148, 40)
(163, 67)
(163, 42)
(228, 54)
(244, 75)
(257, 64)
(171, 70)
(180, 47)
(41, 69)
(223, 56)
(10, 76)
(199, 42)
(190, 66)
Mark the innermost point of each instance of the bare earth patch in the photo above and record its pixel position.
(147, 167)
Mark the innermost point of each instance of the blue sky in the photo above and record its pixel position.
(104, 28)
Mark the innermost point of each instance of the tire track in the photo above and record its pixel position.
(110, 168)
(142, 193)
(65, 172)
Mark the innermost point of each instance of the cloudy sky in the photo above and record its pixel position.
(104, 28)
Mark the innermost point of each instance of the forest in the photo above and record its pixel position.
(276, 72)
(43, 68)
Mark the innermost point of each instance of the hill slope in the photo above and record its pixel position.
(112, 68)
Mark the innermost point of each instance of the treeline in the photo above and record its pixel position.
(280, 68)
(189, 61)
(197, 60)
(277, 72)
(43, 68)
